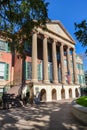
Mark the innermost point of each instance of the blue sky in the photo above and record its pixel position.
(69, 12)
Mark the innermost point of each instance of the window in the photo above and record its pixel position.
(78, 66)
(39, 70)
(49, 54)
(4, 46)
(82, 66)
(65, 53)
(4, 71)
(28, 70)
(2, 68)
(70, 52)
(28, 47)
(80, 79)
(8, 47)
(58, 56)
(50, 75)
(59, 75)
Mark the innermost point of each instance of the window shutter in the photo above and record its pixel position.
(26, 45)
(79, 66)
(6, 72)
(29, 70)
(80, 79)
(59, 75)
(48, 71)
(8, 48)
(26, 72)
(41, 71)
(38, 70)
(51, 74)
(82, 67)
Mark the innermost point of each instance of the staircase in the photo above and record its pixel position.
(13, 87)
(16, 90)
(13, 94)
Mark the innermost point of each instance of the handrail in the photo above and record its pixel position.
(12, 84)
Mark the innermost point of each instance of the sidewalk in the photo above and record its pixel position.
(46, 116)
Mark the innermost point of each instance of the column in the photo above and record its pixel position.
(68, 65)
(45, 60)
(54, 57)
(62, 63)
(74, 66)
(34, 57)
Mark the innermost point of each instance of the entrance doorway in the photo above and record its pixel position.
(63, 93)
(54, 94)
(76, 92)
(43, 95)
(70, 93)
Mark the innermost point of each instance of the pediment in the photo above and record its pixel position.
(57, 28)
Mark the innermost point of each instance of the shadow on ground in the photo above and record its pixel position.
(46, 116)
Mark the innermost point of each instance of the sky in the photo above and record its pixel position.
(68, 12)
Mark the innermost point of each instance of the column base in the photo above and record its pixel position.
(76, 83)
(70, 83)
(55, 82)
(34, 80)
(46, 81)
(63, 82)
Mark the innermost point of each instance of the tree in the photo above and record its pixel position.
(19, 17)
(81, 33)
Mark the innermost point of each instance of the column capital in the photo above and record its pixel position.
(62, 44)
(45, 36)
(35, 31)
(73, 49)
(55, 40)
(68, 47)
(74, 53)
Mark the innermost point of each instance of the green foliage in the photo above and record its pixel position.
(19, 17)
(81, 33)
(82, 101)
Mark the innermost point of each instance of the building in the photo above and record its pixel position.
(50, 70)
(5, 63)
(80, 72)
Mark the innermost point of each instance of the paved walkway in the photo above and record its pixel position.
(47, 116)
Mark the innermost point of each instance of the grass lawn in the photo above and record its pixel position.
(82, 101)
